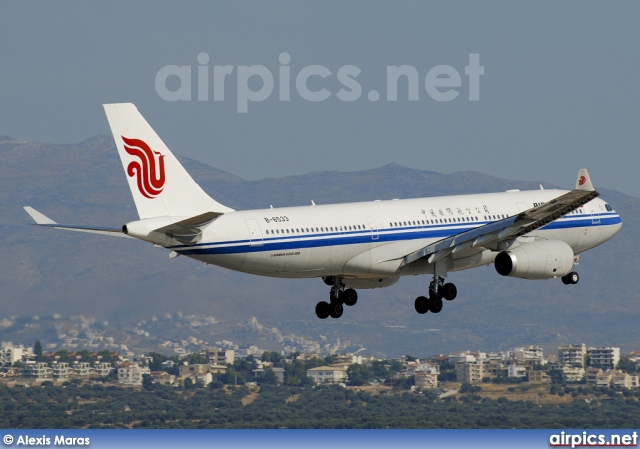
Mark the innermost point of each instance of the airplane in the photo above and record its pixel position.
(538, 234)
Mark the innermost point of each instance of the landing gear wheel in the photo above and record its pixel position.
(449, 291)
(566, 280)
(421, 305)
(573, 277)
(335, 310)
(435, 305)
(349, 297)
(322, 310)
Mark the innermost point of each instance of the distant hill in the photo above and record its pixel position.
(45, 271)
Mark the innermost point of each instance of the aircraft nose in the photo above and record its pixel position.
(612, 230)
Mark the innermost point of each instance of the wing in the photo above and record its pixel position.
(511, 227)
(43, 220)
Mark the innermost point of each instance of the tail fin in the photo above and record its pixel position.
(159, 183)
(584, 180)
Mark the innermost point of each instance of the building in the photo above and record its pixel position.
(328, 374)
(634, 356)
(200, 378)
(10, 354)
(102, 368)
(605, 358)
(604, 380)
(465, 357)
(493, 367)
(529, 355)
(515, 370)
(162, 378)
(36, 370)
(82, 368)
(623, 380)
(425, 381)
(219, 356)
(60, 370)
(131, 373)
(536, 376)
(572, 373)
(572, 355)
(591, 375)
(469, 372)
(201, 368)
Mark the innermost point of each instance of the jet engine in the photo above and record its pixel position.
(543, 259)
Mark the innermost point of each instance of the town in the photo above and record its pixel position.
(574, 363)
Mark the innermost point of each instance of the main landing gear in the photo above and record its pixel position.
(571, 278)
(437, 291)
(337, 297)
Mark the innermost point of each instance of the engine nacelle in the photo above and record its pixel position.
(544, 259)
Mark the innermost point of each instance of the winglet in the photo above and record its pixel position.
(38, 217)
(584, 180)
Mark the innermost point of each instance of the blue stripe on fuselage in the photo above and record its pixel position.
(388, 235)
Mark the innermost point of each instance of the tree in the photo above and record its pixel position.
(83, 354)
(63, 355)
(380, 369)
(468, 388)
(195, 358)
(37, 350)
(147, 382)
(627, 365)
(272, 357)
(359, 374)
(556, 376)
(269, 377)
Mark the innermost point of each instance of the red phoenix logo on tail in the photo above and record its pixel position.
(149, 170)
(582, 180)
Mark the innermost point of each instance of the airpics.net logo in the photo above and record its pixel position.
(256, 83)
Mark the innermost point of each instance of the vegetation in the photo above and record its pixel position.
(157, 406)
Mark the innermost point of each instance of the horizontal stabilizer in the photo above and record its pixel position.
(43, 220)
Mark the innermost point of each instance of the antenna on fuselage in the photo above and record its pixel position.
(312, 203)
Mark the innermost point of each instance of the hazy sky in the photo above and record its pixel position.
(560, 89)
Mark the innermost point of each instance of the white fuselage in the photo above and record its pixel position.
(368, 240)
